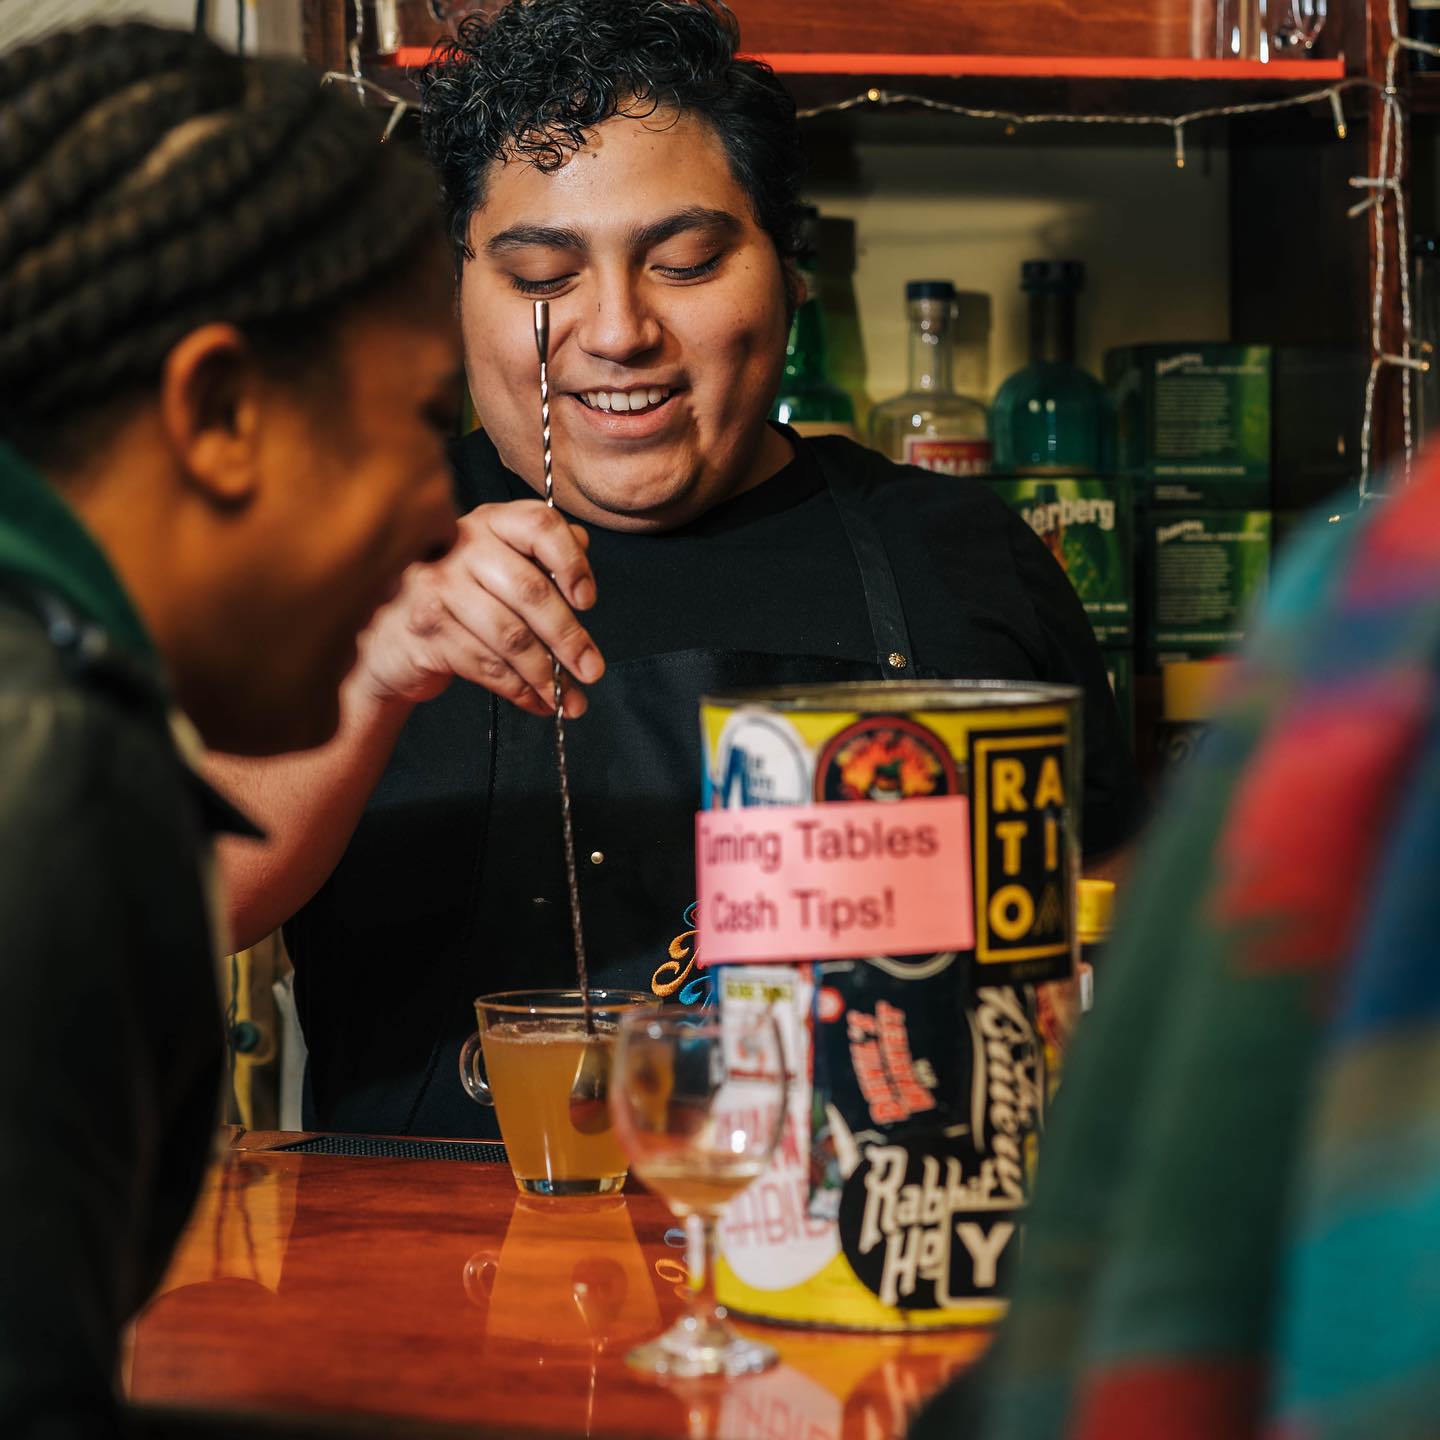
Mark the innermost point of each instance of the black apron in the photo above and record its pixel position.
(468, 841)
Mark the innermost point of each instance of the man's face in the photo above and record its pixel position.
(667, 324)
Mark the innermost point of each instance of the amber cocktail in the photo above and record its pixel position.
(541, 1071)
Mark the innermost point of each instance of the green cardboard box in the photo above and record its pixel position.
(1087, 524)
(1205, 572)
(1193, 421)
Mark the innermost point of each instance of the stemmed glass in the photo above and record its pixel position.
(1256, 29)
(1299, 24)
(698, 1105)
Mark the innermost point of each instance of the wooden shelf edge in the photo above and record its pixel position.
(1099, 67)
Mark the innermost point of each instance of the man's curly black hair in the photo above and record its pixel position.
(533, 82)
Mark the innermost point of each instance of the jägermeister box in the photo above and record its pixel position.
(1086, 523)
(1205, 572)
(1193, 421)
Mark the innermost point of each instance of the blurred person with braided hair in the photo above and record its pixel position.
(621, 160)
(228, 367)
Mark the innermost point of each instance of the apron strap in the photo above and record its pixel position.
(893, 651)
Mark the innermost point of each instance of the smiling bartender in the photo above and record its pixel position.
(614, 157)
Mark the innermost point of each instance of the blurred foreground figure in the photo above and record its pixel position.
(1237, 1231)
(227, 370)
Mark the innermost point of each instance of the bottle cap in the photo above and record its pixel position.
(929, 290)
(1051, 276)
(1095, 907)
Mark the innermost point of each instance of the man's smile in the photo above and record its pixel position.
(635, 413)
(635, 400)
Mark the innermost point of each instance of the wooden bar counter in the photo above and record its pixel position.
(429, 1290)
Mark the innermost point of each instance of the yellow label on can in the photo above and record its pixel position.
(1020, 800)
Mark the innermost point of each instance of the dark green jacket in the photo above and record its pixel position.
(111, 1056)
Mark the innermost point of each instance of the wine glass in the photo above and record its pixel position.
(1298, 23)
(698, 1105)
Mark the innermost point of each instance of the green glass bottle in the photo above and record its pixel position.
(809, 400)
(1051, 417)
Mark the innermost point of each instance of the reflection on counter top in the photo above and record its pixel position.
(330, 1285)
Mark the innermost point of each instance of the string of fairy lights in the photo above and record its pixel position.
(1383, 200)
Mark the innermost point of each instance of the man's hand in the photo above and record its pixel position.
(489, 612)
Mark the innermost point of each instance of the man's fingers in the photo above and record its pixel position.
(476, 662)
(502, 644)
(551, 541)
(456, 650)
(491, 614)
(499, 645)
(504, 680)
(514, 608)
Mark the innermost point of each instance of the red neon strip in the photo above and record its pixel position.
(862, 64)
(1104, 67)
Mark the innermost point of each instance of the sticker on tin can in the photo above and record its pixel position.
(929, 1218)
(811, 882)
(924, 1228)
(1023, 921)
(760, 759)
(885, 758)
(768, 1238)
(891, 1059)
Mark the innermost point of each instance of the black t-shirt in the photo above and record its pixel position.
(772, 570)
(453, 887)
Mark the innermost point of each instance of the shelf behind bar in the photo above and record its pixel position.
(864, 64)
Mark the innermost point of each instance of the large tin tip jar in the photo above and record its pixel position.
(897, 1198)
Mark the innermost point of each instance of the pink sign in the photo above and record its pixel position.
(826, 882)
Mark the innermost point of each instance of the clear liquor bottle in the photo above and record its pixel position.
(930, 425)
(1051, 417)
(809, 399)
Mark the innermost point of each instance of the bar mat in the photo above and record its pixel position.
(483, 1152)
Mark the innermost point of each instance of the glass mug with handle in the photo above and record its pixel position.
(699, 1106)
(532, 1059)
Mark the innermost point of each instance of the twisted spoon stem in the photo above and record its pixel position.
(567, 825)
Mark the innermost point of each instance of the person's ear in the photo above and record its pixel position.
(210, 402)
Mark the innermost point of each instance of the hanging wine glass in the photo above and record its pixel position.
(1298, 24)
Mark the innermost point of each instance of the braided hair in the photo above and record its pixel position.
(151, 182)
(535, 79)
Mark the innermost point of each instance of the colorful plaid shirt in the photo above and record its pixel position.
(1237, 1225)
